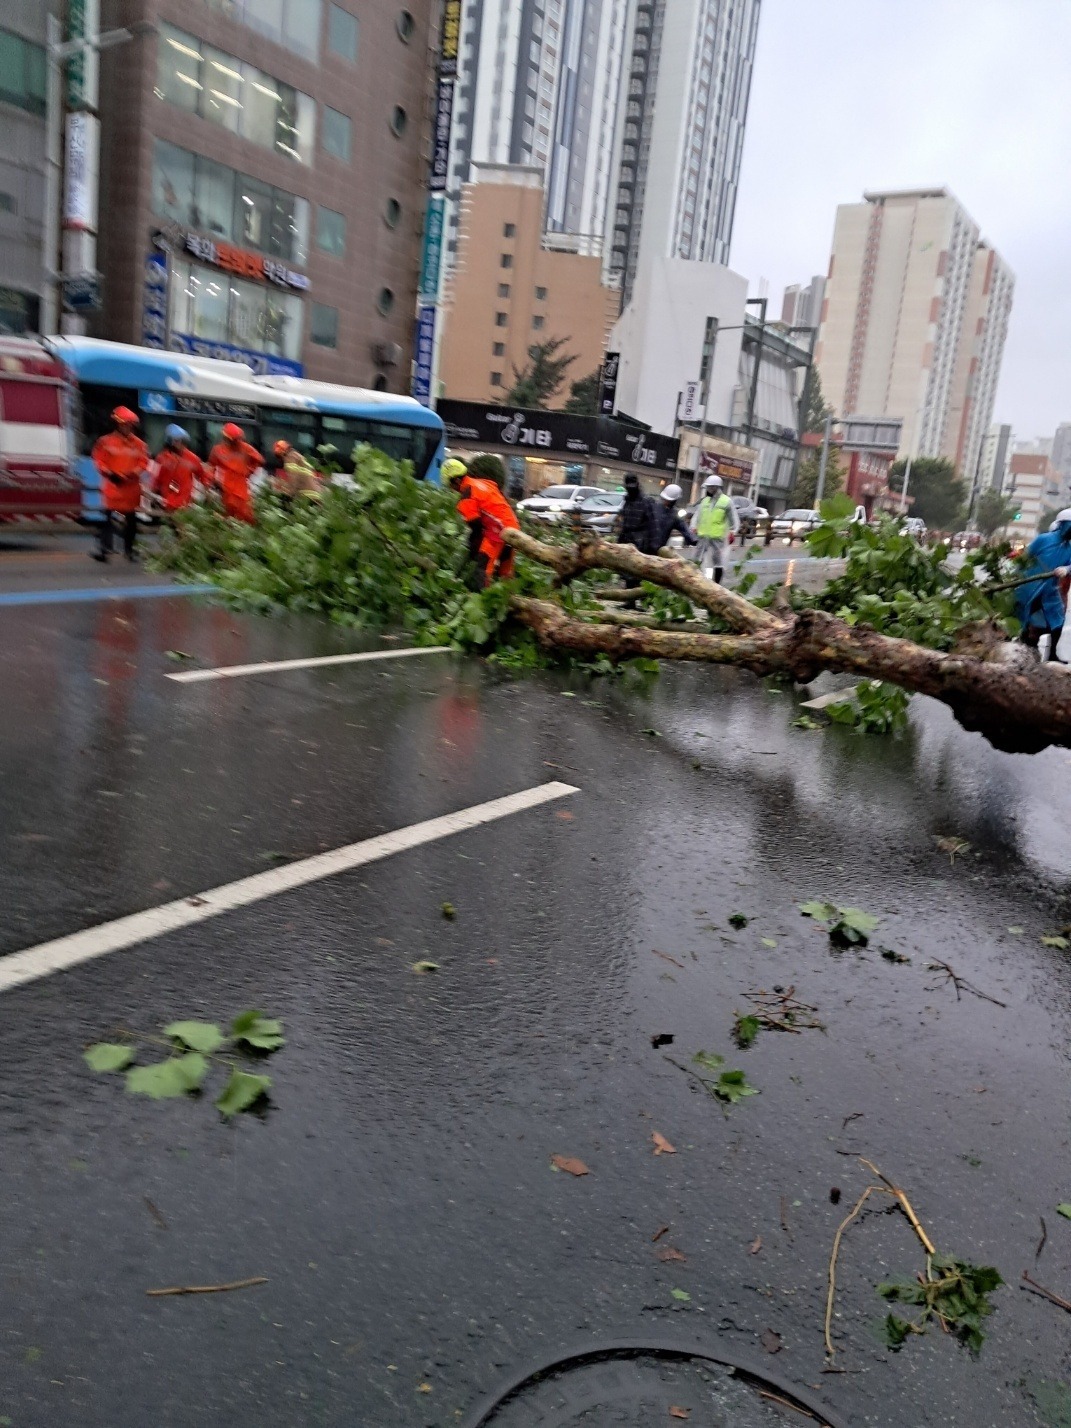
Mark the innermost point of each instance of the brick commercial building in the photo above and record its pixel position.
(263, 165)
(512, 287)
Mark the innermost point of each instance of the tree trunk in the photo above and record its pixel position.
(1019, 710)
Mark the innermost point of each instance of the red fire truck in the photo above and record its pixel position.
(38, 480)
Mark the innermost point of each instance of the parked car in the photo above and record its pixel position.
(753, 518)
(599, 512)
(556, 502)
(794, 525)
(915, 526)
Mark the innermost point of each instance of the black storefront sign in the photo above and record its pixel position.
(440, 153)
(558, 433)
(608, 384)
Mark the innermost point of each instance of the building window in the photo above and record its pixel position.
(23, 73)
(537, 323)
(217, 308)
(503, 290)
(232, 207)
(342, 33)
(338, 134)
(331, 232)
(541, 294)
(235, 95)
(508, 230)
(500, 319)
(406, 26)
(385, 301)
(498, 350)
(506, 261)
(496, 379)
(323, 325)
(399, 121)
(392, 213)
(294, 24)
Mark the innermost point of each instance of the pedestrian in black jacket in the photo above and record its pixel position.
(669, 519)
(636, 523)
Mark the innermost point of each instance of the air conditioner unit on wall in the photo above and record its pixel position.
(386, 354)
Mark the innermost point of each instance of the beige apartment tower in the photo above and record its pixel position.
(914, 321)
(513, 286)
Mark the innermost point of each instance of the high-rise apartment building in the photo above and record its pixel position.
(684, 97)
(263, 182)
(914, 321)
(802, 306)
(23, 73)
(538, 86)
(993, 458)
(1061, 454)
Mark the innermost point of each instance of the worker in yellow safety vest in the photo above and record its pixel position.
(716, 523)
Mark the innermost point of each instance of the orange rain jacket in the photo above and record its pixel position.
(482, 501)
(230, 468)
(121, 458)
(176, 471)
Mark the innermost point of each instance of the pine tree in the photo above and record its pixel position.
(542, 377)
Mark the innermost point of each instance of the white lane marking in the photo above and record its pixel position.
(49, 957)
(234, 671)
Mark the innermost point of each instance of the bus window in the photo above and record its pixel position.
(298, 428)
(97, 405)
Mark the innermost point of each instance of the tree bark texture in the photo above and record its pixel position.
(1018, 709)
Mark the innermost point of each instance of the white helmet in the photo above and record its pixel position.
(671, 493)
(712, 483)
(1061, 516)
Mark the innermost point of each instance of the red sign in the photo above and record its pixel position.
(244, 264)
(729, 468)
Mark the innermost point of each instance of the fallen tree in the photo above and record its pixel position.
(391, 554)
(1020, 707)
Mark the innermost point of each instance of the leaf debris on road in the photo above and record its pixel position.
(662, 1145)
(569, 1164)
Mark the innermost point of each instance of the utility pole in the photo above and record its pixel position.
(53, 176)
(907, 482)
(754, 390)
(824, 462)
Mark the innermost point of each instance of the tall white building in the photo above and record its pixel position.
(684, 97)
(538, 85)
(802, 306)
(914, 321)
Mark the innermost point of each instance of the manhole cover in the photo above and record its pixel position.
(646, 1387)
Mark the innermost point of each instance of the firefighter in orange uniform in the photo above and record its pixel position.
(121, 457)
(177, 468)
(231, 464)
(488, 514)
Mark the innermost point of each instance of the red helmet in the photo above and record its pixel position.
(233, 432)
(123, 416)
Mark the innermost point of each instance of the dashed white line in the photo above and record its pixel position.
(235, 671)
(48, 958)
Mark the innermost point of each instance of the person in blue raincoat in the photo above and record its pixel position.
(1040, 605)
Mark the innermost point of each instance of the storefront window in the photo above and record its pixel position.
(172, 182)
(213, 196)
(208, 305)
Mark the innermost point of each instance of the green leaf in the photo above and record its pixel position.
(745, 1031)
(449, 911)
(256, 1030)
(821, 911)
(709, 1060)
(176, 1077)
(738, 920)
(1055, 940)
(1064, 1210)
(424, 966)
(197, 1035)
(241, 1091)
(769, 942)
(681, 1295)
(731, 1086)
(1016, 931)
(178, 654)
(108, 1056)
(896, 1331)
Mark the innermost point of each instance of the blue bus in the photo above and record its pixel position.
(202, 394)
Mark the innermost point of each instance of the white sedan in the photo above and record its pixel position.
(556, 502)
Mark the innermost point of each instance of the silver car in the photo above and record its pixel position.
(555, 502)
(794, 525)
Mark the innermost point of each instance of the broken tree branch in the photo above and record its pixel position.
(206, 1288)
(961, 984)
(1037, 1288)
(1018, 708)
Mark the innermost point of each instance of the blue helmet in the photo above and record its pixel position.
(176, 433)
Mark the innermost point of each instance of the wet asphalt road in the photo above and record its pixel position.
(398, 1193)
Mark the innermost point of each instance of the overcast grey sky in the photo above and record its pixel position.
(972, 94)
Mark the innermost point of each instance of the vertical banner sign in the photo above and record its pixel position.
(432, 257)
(83, 146)
(440, 153)
(451, 37)
(608, 384)
(154, 301)
(425, 351)
(83, 66)
(692, 401)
